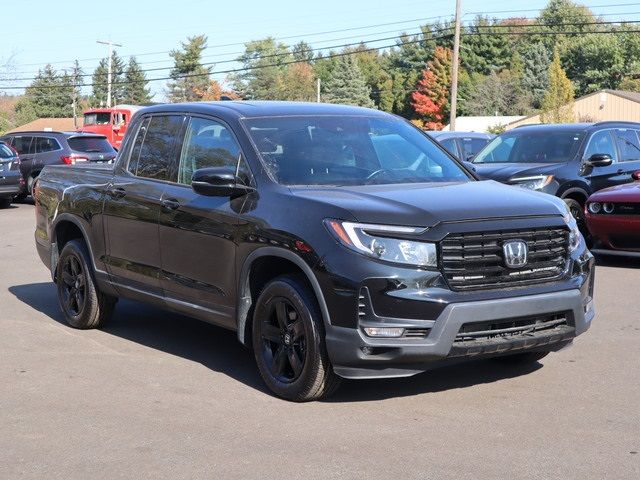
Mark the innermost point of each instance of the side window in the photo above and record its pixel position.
(45, 144)
(207, 143)
(602, 142)
(23, 145)
(151, 155)
(450, 145)
(628, 144)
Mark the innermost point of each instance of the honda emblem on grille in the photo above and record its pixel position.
(515, 253)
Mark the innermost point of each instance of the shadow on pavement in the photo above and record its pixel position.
(219, 350)
(617, 262)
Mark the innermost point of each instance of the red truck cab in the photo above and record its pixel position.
(110, 122)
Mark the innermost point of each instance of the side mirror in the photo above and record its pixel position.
(218, 182)
(599, 160)
(636, 176)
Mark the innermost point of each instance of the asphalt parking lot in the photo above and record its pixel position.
(155, 395)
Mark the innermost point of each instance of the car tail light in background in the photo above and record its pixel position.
(636, 175)
(72, 159)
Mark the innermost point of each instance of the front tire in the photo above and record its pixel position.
(288, 342)
(82, 304)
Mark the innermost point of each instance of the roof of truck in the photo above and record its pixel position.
(250, 108)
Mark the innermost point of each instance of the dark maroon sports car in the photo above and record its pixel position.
(613, 218)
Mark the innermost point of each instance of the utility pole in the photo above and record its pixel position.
(454, 68)
(318, 90)
(111, 45)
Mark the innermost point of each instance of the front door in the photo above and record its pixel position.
(629, 146)
(197, 233)
(603, 142)
(132, 206)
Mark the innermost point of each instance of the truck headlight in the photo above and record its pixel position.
(377, 241)
(575, 237)
(537, 182)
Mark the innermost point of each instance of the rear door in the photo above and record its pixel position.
(132, 205)
(47, 152)
(197, 233)
(628, 140)
(604, 141)
(25, 146)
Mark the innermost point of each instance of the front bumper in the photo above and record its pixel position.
(354, 355)
(609, 229)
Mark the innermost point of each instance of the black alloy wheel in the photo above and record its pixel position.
(74, 290)
(283, 340)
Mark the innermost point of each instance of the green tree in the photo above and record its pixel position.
(535, 78)
(100, 81)
(302, 52)
(557, 104)
(594, 62)
(189, 78)
(347, 84)
(499, 94)
(49, 95)
(297, 83)
(265, 63)
(135, 88)
(559, 12)
(486, 48)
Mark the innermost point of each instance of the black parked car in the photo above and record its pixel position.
(571, 161)
(10, 178)
(462, 145)
(336, 241)
(38, 149)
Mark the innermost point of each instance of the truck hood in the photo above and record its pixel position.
(427, 205)
(504, 172)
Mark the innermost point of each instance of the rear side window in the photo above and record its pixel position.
(471, 146)
(207, 143)
(23, 145)
(152, 153)
(46, 144)
(628, 144)
(90, 144)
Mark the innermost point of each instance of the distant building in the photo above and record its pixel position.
(597, 107)
(48, 124)
(482, 124)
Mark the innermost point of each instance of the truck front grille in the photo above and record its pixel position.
(475, 261)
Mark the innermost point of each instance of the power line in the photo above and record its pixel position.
(400, 36)
(335, 55)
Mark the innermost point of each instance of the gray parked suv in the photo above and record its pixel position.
(9, 175)
(38, 149)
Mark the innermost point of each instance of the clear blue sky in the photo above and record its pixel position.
(58, 32)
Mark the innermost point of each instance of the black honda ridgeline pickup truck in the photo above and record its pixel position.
(338, 242)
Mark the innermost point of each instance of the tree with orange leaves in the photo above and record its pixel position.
(431, 98)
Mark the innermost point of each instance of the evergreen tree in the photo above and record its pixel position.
(265, 63)
(48, 96)
(100, 78)
(347, 84)
(135, 88)
(485, 49)
(499, 94)
(557, 104)
(302, 52)
(535, 79)
(189, 78)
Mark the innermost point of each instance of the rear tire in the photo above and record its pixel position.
(21, 197)
(289, 342)
(5, 202)
(522, 358)
(82, 304)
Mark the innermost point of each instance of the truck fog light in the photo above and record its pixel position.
(384, 332)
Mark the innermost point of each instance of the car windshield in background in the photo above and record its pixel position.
(97, 118)
(90, 145)
(343, 150)
(6, 152)
(541, 146)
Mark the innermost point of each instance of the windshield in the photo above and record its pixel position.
(99, 118)
(349, 150)
(539, 146)
(90, 145)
